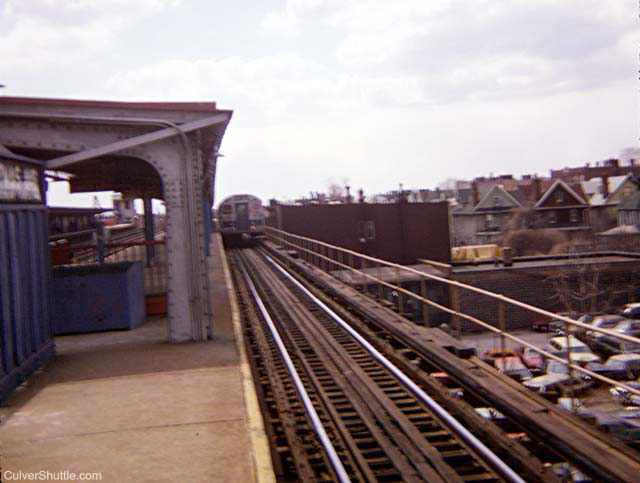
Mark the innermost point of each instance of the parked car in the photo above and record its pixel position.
(632, 311)
(556, 375)
(580, 352)
(628, 327)
(490, 355)
(555, 367)
(512, 367)
(547, 382)
(566, 472)
(490, 413)
(625, 429)
(552, 325)
(608, 346)
(608, 321)
(532, 359)
(626, 396)
(572, 404)
(619, 367)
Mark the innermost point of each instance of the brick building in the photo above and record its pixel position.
(398, 232)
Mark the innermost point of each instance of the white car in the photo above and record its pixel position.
(546, 382)
(580, 352)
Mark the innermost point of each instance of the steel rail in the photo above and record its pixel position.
(496, 463)
(306, 400)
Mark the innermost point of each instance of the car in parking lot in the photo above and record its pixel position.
(553, 325)
(491, 355)
(608, 321)
(547, 382)
(532, 359)
(556, 374)
(512, 367)
(632, 311)
(580, 352)
(626, 396)
(628, 327)
(618, 367)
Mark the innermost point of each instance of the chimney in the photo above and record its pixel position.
(537, 188)
(507, 256)
(475, 197)
(605, 185)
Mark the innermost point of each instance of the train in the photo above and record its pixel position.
(241, 220)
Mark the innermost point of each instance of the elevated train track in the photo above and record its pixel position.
(379, 426)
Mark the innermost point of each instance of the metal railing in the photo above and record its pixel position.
(152, 254)
(327, 257)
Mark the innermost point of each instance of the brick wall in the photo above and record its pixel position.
(619, 283)
(404, 232)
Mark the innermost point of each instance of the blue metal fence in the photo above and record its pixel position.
(26, 342)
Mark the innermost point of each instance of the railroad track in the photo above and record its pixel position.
(376, 423)
(532, 434)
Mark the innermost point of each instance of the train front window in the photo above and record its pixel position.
(225, 209)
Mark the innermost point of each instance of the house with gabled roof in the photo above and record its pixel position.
(606, 195)
(629, 211)
(486, 221)
(494, 211)
(563, 206)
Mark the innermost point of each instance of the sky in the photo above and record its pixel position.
(372, 93)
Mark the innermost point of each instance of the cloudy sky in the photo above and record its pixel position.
(375, 92)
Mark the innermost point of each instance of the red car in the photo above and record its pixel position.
(531, 359)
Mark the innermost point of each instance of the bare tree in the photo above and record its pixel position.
(337, 188)
(629, 153)
(584, 287)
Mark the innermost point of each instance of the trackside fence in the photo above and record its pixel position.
(362, 269)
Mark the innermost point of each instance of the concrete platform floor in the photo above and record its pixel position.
(135, 408)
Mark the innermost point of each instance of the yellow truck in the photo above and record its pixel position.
(476, 253)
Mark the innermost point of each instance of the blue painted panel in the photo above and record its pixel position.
(93, 298)
(26, 343)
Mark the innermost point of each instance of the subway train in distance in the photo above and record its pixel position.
(241, 220)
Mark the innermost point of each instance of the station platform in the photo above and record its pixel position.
(132, 407)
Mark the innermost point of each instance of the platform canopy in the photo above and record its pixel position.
(159, 150)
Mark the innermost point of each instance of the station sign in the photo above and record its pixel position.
(19, 182)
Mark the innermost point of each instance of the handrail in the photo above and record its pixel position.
(454, 283)
(499, 297)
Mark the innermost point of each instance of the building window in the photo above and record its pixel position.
(552, 217)
(573, 216)
(559, 197)
(366, 230)
(490, 222)
(496, 201)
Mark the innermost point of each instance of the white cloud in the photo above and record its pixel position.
(485, 48)
(273, 87)
(284, 23)
(42, 33)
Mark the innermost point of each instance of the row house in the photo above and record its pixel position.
(606, 195)
(519, 204)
